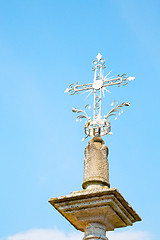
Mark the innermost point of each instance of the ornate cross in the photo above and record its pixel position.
(99, 126)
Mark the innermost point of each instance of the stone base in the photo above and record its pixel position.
(106, 207)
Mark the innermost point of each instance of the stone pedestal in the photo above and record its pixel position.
(97, 208)
(105, 207)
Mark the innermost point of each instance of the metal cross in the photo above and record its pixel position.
(98, 126)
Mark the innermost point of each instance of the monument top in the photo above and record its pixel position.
(99, 126)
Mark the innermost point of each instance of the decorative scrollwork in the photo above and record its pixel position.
(71, 89)
(117, 109)
(82, 114)
(100, 62)
(124, 79)
(76, 88)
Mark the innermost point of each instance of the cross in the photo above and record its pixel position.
(100, 83)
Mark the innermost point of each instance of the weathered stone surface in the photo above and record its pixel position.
(105, 206)
(95, 231)
(96, 172)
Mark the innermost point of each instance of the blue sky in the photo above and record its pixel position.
(45, 46)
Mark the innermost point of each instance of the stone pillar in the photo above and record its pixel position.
(96, 169)
(95, 231)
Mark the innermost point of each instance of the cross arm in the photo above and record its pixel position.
(119, 80)
(76, 88)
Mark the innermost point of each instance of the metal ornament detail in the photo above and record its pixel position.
(98, 126)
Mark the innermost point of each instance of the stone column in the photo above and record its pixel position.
(96, 169)
(96, 175)
(95, 231)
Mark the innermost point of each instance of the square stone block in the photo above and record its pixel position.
(105, 206)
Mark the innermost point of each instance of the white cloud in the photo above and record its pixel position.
(54, 234)
(46, 234)
(130, 235)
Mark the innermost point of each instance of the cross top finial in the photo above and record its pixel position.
(99, 126)
(99, 63)
(99, 56)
